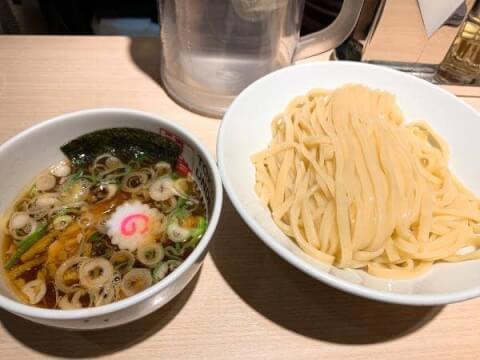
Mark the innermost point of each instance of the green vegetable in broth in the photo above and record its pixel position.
(26, 244)
(95, 237)
(71, 180)
(201, 227)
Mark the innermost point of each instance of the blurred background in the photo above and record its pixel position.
(116, 17)
(383, 26)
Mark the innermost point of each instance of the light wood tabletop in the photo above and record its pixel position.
(246, 303)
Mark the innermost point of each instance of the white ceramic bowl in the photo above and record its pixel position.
(25, 155)
(245, 130)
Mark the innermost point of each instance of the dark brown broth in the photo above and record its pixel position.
(100, 248)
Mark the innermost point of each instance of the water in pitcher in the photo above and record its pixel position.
(212, 49)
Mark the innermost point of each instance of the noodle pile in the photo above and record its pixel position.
(355, 187)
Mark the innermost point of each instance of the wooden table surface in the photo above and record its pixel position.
(246, 303)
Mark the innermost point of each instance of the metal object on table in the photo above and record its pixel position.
(422, 71)
(386, 31)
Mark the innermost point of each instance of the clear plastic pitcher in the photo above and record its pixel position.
(213, 49)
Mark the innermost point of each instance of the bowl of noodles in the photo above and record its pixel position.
(360, 176)
(106, 215)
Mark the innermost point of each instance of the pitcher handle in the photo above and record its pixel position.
(334, 34)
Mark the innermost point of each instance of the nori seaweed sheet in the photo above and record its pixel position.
(125, 143)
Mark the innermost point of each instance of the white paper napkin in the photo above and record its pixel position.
(436, 12)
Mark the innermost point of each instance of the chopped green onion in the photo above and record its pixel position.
(181, 202)
(160, 271)
(95, 237)
(71, 180)
(26, 244)
(198, 231)
(33, 191)
(179, 212)
(65, 211)
(177, 233)
(173, 264)
(142, 158)
(108, 253)
(91, 178)
(172, 253)
(178, 247)
(174, 175)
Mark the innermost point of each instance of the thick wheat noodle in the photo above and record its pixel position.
(357, 188)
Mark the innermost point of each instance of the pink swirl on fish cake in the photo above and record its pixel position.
(129, 225)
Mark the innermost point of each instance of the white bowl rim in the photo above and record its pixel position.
(56, 314)
(316, 273)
